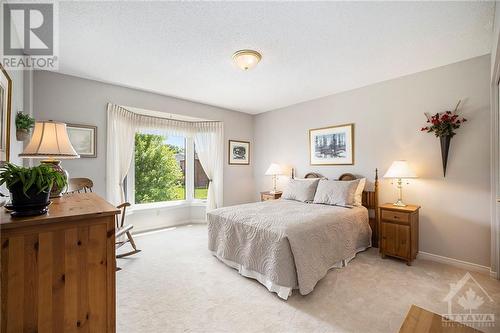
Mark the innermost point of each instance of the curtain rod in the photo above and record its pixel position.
(163, 118)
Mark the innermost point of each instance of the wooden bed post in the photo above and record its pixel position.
(376, 196)
(377, 213)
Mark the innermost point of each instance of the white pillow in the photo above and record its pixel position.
(300, 189)
(336, 192)
(358, 195)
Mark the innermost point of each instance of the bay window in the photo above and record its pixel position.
(165, 168)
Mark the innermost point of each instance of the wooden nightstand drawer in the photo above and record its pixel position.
(267, 197)
(390, 215)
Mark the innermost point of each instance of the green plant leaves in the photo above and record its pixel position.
(24, 121)
(42, 176)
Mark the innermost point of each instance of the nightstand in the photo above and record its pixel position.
(264, 196)
(399, 232)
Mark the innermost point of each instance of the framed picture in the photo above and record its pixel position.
(5, 112)
(332, 145)
(84, 139)
(239, 152)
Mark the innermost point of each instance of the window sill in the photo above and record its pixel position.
(168, 205)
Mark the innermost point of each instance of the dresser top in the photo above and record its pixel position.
(69, 207)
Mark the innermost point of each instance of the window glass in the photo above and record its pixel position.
(160, 167)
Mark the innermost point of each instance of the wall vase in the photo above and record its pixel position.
(445, 148)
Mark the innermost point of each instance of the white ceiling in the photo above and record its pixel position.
(309, 50)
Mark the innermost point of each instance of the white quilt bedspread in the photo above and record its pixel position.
(292, 244)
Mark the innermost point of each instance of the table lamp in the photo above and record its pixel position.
(273, 170)
(50, 141)
(400, 170)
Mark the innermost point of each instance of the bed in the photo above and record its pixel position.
(287, 245)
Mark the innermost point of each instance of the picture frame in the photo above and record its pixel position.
(5, 115)
(84, 139)
(239, 152)
(333, 145)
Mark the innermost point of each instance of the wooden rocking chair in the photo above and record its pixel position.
(122, 229)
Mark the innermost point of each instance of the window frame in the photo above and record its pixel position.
(189, 200)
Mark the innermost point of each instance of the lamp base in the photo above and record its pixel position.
(399, 203)
(56, 192)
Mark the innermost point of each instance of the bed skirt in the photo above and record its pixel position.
(281, 291)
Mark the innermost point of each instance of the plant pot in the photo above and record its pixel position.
(31, 198)
(22, 134)
(445, 148)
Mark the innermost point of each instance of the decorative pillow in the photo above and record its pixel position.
(358, 195)
(300, 190)
(336, 192)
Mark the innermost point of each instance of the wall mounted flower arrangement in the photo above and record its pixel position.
(443, 125)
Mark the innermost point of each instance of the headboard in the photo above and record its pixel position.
(369, 200)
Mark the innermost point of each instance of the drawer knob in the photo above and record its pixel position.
(396, 217)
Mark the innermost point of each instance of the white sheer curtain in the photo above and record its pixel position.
(209, 142)
(122, 126)
(120, 149)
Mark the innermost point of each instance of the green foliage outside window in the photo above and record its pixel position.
(158, 176)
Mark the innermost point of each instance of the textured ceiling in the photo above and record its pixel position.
(309, 50)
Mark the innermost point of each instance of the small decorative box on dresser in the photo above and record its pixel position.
(399, 231)
(58, 269)
(264, 196)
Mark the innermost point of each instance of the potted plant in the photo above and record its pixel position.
(30, 187)
(24, 123)
(443, 125)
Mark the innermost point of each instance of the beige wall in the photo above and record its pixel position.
(75, 100)
(455, 214)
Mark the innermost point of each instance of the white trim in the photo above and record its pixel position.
(198, 221)
(165, 229)
(161, 205)
(469, 266)
(495, 159)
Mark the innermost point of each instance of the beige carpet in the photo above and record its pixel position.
(175, 285)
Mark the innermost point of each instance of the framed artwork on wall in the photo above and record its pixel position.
(84, 139)
(332, 145)
(239, 152)
(5, 114)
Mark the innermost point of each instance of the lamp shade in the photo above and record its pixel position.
(273, 170)
(400, 169)
(50, 140)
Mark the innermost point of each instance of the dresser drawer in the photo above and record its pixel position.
(390, 215)
(267, 197)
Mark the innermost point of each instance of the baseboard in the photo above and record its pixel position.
(142, 232)
(469, 266)
(198, 221)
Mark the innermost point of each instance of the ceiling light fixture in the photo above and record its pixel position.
(246, 59)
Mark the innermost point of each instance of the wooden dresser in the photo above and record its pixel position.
(58, 269)
(399, 231)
